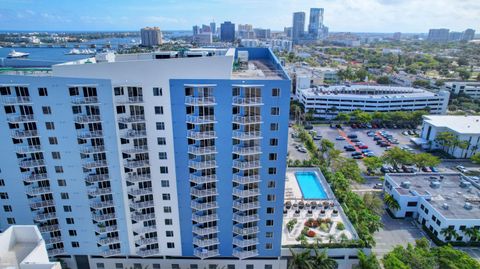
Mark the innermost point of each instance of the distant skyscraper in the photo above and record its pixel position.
(206, 28)
(151, 36)
(245, 31)
(397, 36)
(438, 35)
(213, 28)
(455, 36)
(468, 35)
(196, 30)
(288, 31)
(227, 31)
(316, 22)
(298, 26)
(262, 33)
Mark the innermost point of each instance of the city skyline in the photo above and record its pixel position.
(382, 16)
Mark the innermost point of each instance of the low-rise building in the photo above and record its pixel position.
(328, 101)
(437, 202)
(472, 89)
(465, 128)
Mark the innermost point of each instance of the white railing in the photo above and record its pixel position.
(16, 100)
(204, 253)
(203, 193)
(28, 149)
(139, 205)
(243, 254)
(240, 242)
(202, 164)
(87, 118)
(247, 135)
(20, 118)
(201, 119)
(246, 193)
(45, 216)
(203, 206)
(244, 219)
(203, 179)
(247, 150)
(142, 217)
(205, 242)
(34, 177)
(201, 135)
(100, 205)
(96, 178)
(246, 164)
(247, 101)
(89, 134)
(205, 231)
(37, 190)
(139, 191)
(134, 177)
(247, 119)
(85, 100)
(24, 133)
(202, 150)
(92, 149)
(205, 218)
(246, 179)
(246, 231)
(133, 133)
(132, 118)
(200, 101)
(246, 206)
(103, 217)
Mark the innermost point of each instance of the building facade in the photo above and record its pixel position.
(315, 26)
(227, 32)
(298, 27)
(145, 156)
(438, 35)
(471, 89)
(151, 36)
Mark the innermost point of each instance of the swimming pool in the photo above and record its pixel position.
(310, 185)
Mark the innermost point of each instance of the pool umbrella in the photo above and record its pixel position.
(313, 205)
(301, 205)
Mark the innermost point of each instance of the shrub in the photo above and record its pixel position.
(324, 227)
(310, 233)
(312, 223)
(340, 226)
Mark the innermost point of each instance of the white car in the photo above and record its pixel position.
(340, 138)
(461, 168)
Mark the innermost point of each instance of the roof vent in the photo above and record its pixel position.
(445, 206)
(468, 206)
(465, 184)
(406, 184)
(435, 184)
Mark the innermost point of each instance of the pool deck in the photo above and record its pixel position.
(293, 191)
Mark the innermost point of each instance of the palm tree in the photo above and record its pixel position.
(472, 233)
(300, 260)
(391, 202)
(322, 261)
(331, 238)
(367, 261)
(449, 233)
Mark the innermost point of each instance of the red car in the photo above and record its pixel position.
(363, 147)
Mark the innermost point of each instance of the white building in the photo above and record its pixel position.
(22, 247)
(436, 201)
(204, 38)
(273, 44)
(465, 128)
(151, 36)
(328, 101)
(471, 89)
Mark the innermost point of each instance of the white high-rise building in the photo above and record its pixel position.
(151, 36)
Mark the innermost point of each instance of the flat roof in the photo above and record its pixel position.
(449, 192)
(259, 69)
(366, 92)
(458, 124)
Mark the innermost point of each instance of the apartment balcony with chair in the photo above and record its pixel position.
(195, 119)
(244, 193)
(132, 164)
(204, 231)
(87, 118)
(14, 100)
(205, 242)
(200, 101)
(203, 253)
(246, 179)
(201, 164)
(19, 134)
(199, 193)
(200, 218)
(244, 151)
(247, 101)
(91, 164)
(239, 241)
(201, 135)
(243, 218)
(245, 230)
(108, 241)
(247, 119)
(20, 118)
(202, 179)
(244, 254)
(243, 165)
(244, 206)
(85, 100)
(198, 150)
(247, 135)
(131, 119)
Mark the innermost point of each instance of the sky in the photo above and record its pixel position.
(408, 16)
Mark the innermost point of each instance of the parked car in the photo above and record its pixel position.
(378, 186)
(355, 140)
(365, 150)
(302, 149)
(371, 134)
(356, 153)
(358, 157)
(363, 147)
(370, 154)
(349, 148)
(338, 126)
(377, 138)
(339, 138)
(461, 168)
(352, 136)
(354, 126)
(434, 169)
(308, 127)
(317, 137)
(426, 169)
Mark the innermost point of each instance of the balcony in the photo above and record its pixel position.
(20, 118)
(101, 205)
(203, 179)
(200, 101)
(204, 218)
(145, 229)
(87, 118)
(240, 135)
(48, 228)
(132, 164)
(246, 206)
(108, 241)
(103, 217)
(24, 134)
(146, 241)
(28, 149)
(246, 193)
(53, 240)
(245, 231)
(244, 151)
(203, 193)
(92, 149)
(130, 100)
(247, 101)
(31, 163)
(247, 119)
(200, 135)
(202, 150)
(246, 179)
(245, 218)
(200, 165)
(55, 251)
(99, 191)
(243, 165)
(200, 242)
(241, 242)
(45, 216)
(194, 119)
(134, 177)
(204, 231)
(94, 164)
(85, 100)
(132, 119)
(32, 178)
(148, 252)
(243, 254)
(203, 205)
(93, 178)
(41, 204)
(142, 217)
(111, 252)
(140, 191)
(133, 134)
(106, 229)
(13, 100)
(90, 134)
(135, 149)
(205, 253)
(34, 191)
(140, 205)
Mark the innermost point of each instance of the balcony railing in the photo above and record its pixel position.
(135, 149)
(105, 229)
(203, 179)
(203, 206)
(240, 242)
(245, 231)
(201, 119)
(247, 119)
(45, 216)
(146, 241)
(145, 229)
(243, 254)
(132, 164)
(140, 205)
(204, 231)
(133, 133)
(87, 118)
(148, 252)
(11, 100)
(103, 217)
(92, 149)
(142, 217)
(48, 228)
(102, 204)
(108, 240)
(241, 135)
(139, 191)
(85, 100)
(95, 164)
(203, 193)
(247, 101)
(90, 134)
(99, 191)
(132, 119)
(42, 204)
(55, 251)
(29, 149)
(34, 191)
(247, 150)
(130, 100)
(111, 252)
(134, 177)
(198, 135)
(246, 193)
(242, 165)
(199, 165)
(245, 218)
(32, 178)
(204, 218)
(200, 101)
(53, 240)
(200, 242)
(202, 150)
(203, 253)
(93, 178)
(24, 134)
(20, 118)
(246, 206)
(31, 163)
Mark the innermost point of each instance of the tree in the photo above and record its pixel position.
(343, 117)
(472, 233)
(446, 140)
(373, 202)
(322, 261)
(464, 74)
(364, 117)
(449, 233)
(421, 83)
(397, 156)
(367, 261)
(425, 159)
(439, 83)
(476, 158)
(373, 163)
(300, 260)
(384, 80)
(391, 202)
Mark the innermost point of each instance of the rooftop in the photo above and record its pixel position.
(449, 195)
(367, 91)
(458, 124)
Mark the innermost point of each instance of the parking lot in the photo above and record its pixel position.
(293, 153)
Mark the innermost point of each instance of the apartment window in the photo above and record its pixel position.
(52, 140)
(269, 234)
(272, 156)
(167, 209)
(165, 183)
(11, 221)
(193, 266)
(271, 197)
(156, 266)
(118, 265)
(270, 210)
(70, 221)
(121, 109)
(42, 92)
(268, 246)
(412, 204)
(56, 155)
(73, 91)
(275, 92)
(175, 266)
(275, 111)
(118, 91)
(72, 232)
(163, 170)
(58, 169)
(2, 182)
(273, 142)
(169, 233)
(168, 222)
(50, 125)
(272, 171)
(46, 110)
(100, 265)
(7, 208)
(157, 91)
(273, 126)
(64, 196)
(271, 184)
(170, 245)
(269, 222)
(249, 266)
(161, 141)
(268, 266)
(62, 182)
(231, 266)
(160, 125)
(166, 196)
(137, 266)
(162, 155)
(67, 208)
(3, 195)
(212, 266)
(159, 110)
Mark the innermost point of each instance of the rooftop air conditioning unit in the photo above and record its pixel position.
(465, 184)
(435, 184)
(468, 206)
(445, 206)
(406, 184)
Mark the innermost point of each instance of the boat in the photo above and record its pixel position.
(17, 54)
(80, 52)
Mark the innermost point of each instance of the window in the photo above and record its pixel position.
(275, 92)
(62, 182)
(118, 265)
(160, 125)
(169, 233)
(67, 208)
(212, 266)
(3, 195)
(462, 227)
(52, 140)
(137, 266)
(162, 155)
(271, 184)
(159, 110)
(269, 234)
(275, 111)
(42, 92)
(272, 171)
(250, 266)
(412, 204)
(163, 170)
(11, 220)
(231, 266)
(270, 210)
(271, 197)
(7, 208)
(193, 266)
(58, 169)
(2, 182)
(273, 142)
(422, 206)
(121, 109)
(70, 221)
(175, 266)
(272, 156)
(72, 232)
(161, 141)
(46, 110)
(434, 218)
(170, 245)
(167, 209)
(100, 265)
(118, 91)
(157, 92)
(64, 196)
(268, 246)
(273, 126)
(73, 91)
(166, 196)
(156, 266)
(165, 183)
(76, 109)
(56, 155)
(269, 222)
(50, 125)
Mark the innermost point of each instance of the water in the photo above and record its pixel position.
(310, 185)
